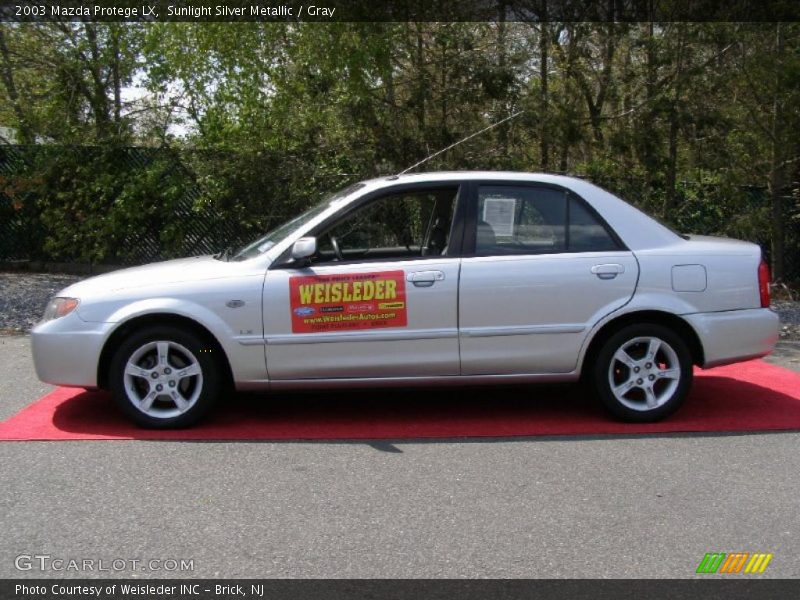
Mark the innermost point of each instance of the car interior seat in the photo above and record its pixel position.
(438, 240)
(485, 238)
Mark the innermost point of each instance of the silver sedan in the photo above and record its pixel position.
(428, 279)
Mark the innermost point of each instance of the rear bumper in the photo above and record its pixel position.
(736, 335)
(66, 351)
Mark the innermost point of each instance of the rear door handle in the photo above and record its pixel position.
(608, 271)
(425, 278)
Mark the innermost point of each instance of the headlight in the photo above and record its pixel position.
(59, 307)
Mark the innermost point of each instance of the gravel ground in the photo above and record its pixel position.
(23, 297)
(789, 313)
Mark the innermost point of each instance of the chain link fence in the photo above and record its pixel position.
(121, 206)
(126, 206)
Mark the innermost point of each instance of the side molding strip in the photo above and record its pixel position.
(522, 330)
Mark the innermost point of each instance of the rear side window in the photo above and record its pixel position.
(536, 220)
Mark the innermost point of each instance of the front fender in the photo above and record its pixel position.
(247, 361)
(184, 308)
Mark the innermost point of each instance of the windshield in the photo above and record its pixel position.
(266, 242)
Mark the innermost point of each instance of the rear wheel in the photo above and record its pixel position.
(643, 373)
(164, 377)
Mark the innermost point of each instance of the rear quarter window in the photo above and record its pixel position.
(586, 232)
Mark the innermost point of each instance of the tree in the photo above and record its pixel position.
(64, 80)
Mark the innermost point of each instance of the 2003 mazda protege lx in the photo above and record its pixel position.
(436, 278)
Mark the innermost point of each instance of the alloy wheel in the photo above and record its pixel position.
(163, 379)
(644, 373)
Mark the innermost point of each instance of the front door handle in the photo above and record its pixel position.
(425, 278)
(608, 271)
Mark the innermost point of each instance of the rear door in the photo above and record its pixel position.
(540, 268)
(379, 299)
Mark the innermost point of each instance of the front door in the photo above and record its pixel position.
(379, 298)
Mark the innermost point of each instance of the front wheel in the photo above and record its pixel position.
(164, 377)
(643, 373)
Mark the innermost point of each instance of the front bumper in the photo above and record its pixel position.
(66, 351)
(736, 335)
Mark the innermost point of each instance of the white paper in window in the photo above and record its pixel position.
(499, 213)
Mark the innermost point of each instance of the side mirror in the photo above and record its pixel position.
(304, 248)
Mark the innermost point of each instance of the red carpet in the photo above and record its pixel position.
(753, 396)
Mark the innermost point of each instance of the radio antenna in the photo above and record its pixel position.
(469, 137)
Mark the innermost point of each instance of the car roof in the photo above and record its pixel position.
(429, 176)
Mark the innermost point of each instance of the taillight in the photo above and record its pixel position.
(763, 283)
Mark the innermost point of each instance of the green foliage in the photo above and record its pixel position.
(680, 118)
(130, 205)
(95, 202)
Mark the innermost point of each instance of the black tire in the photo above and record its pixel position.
(203, 390)
(657, 375)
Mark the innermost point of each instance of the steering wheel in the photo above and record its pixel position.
(336, 250)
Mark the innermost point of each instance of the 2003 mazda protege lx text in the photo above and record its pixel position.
(436, 278)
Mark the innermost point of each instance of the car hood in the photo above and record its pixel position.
(183, 270)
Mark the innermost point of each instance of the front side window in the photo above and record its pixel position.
(402, 225)
(536, 220)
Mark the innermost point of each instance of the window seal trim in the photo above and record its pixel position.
(470, 234)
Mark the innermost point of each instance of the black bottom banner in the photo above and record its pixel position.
(388, 589)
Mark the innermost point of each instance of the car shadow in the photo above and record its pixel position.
(717, 406)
